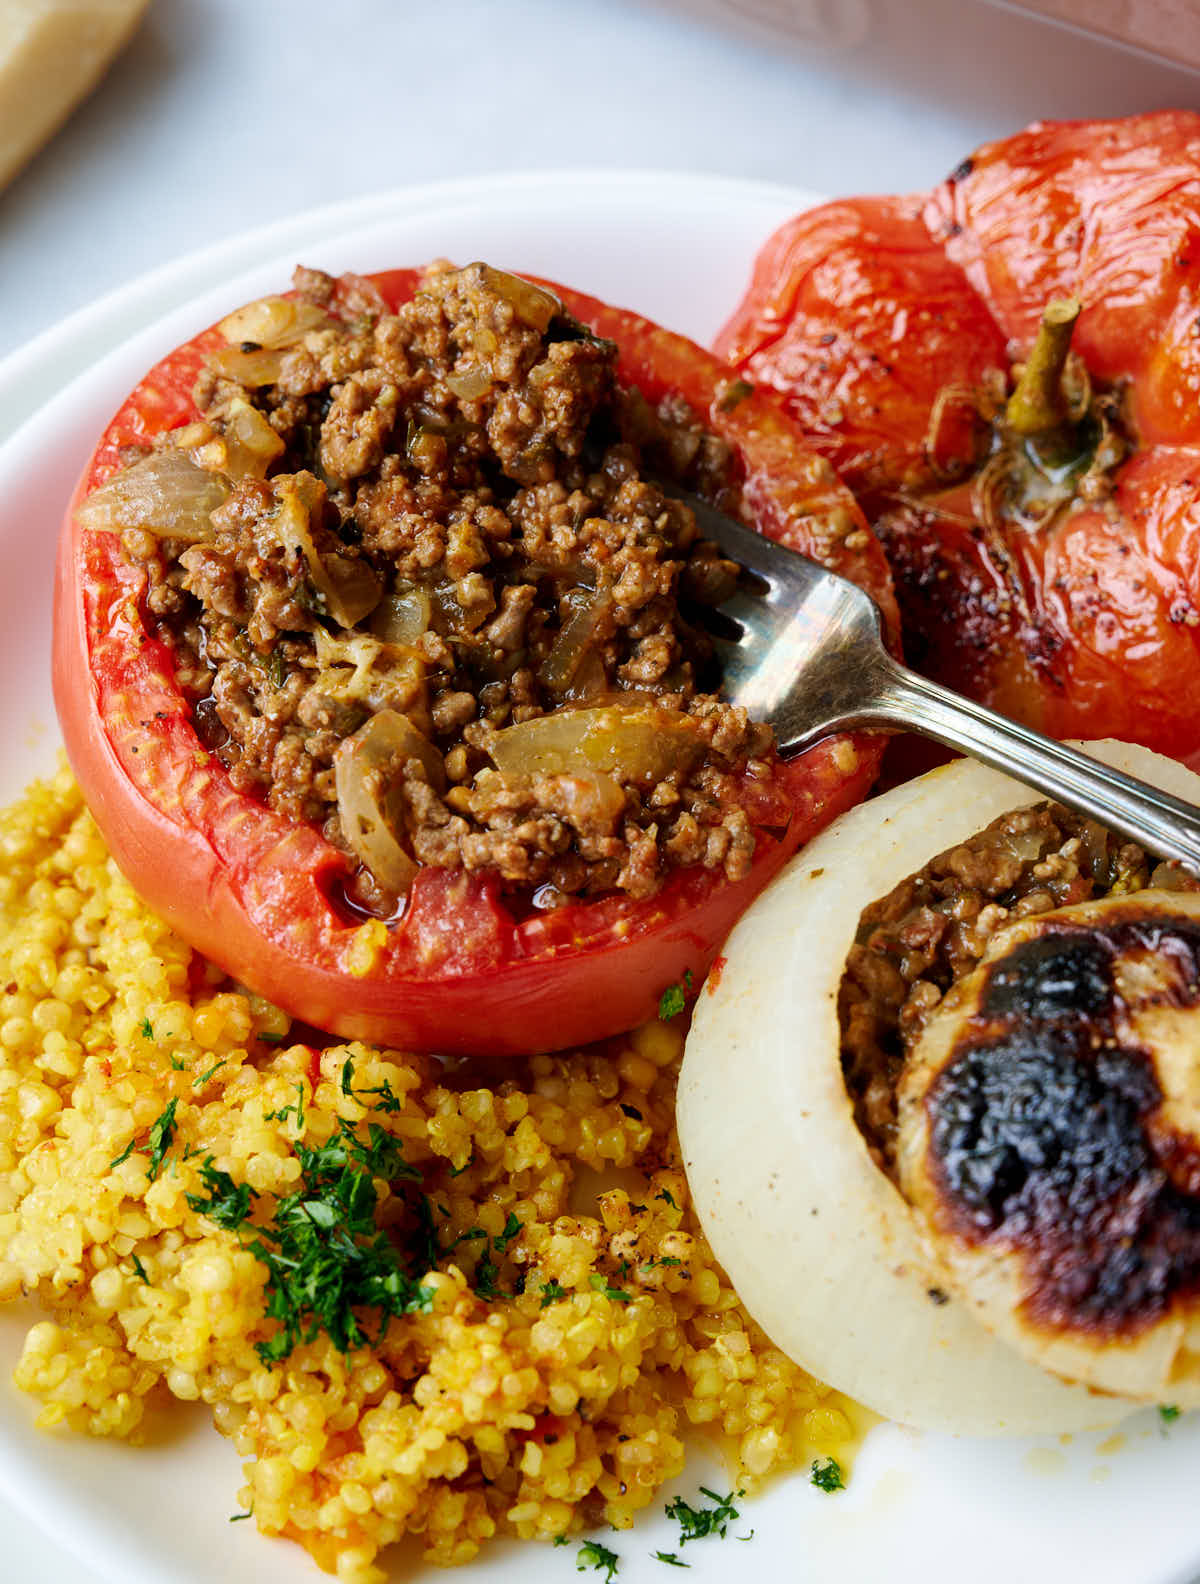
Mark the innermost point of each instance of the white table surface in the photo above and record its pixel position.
(212, 122)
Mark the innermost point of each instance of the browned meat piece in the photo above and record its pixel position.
(459, 530)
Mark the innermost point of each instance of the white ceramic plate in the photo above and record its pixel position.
(1117, 1510)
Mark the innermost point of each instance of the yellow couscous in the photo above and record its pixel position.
(561, 1336)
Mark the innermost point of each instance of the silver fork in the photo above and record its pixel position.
(809, 659)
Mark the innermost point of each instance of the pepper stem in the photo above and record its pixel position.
(1038, 406)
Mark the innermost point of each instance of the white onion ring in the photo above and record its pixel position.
(819, 1244)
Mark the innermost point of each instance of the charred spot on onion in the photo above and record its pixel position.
(1052, 1145)
(442, 516)
(931, 930)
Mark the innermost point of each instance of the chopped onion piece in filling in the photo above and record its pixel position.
(402, 617)
(348, 586)
(368, 774)
(165, 494)
(638, 745)
(575, 641)
(273, 322)
(533, 305)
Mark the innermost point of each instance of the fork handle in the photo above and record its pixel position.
(1164, 824)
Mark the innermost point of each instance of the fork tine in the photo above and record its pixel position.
(741, 544)
(752, 614)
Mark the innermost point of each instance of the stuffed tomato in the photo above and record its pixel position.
(379, 655)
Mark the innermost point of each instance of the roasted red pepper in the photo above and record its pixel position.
(1044, 534)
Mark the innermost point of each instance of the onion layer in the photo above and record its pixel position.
(820, 1245)
(367, 773)
(638, 744)
(166, 494)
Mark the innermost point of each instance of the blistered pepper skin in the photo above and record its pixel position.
(1089, 623)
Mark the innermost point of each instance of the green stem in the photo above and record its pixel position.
(1037, 408)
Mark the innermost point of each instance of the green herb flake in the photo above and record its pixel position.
(147, 1028)
(199, 1083)
(671, 1003)
(158, 1141)
(671, 1558)
(1168, 1413)
(736, 391)
(140, 1269)
(227, 1203)
(696, 1523)
(295, 1110)
(383, 1094)
(615, 1294)
(663, 1194)
(238, 1517)
(177, 1063)
(551, 1293)
(124, 1155)
(592, 1554)
(511, 1228)
(826, 1475)
(277, 668)
(485, 1278)
(162, 1131)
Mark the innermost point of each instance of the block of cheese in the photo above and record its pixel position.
(52, 53)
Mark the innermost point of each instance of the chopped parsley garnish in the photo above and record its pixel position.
(227, 1202)
(147, 1029)
(485, 1278)
(141, 1269)
(383, 1095)
(593, 1554)
(674, 998)
(502, 1239)
(158, 1139)
(663, 1194)
(659, 1259)
(671, 1558)
(237, 1517)
(323, 1251)
(616, 1294)
(671, 1003)
(199, 1083)
(696, 1523)
(162, 1131)
(827, 1474)
(296, 1109)
(1168, 1413)
(551, 1293)
(177, 1063)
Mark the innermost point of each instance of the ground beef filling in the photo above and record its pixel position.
(932, 930)
(446, 513)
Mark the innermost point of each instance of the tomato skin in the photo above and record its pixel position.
(258, 894)
(1088, 625)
